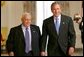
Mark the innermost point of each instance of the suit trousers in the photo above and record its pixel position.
(57, 52)
(30, 53)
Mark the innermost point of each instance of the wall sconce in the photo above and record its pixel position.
(77, 17)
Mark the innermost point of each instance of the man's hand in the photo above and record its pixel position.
(46, 54)
(71, 51)
(43, 53)
(11, 54)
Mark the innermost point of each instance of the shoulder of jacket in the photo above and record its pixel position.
(48, 19)
(16, 27)
(34, 25)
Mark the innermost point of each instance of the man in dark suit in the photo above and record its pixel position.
(61, 33)
(81, 25)
(81, 29)
(23, 40)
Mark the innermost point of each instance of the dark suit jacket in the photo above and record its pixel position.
(81, 29)
(16, 42)
(81, 26)
(66, 37)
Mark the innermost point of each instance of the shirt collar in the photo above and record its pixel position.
(59, 17)
(25, 27)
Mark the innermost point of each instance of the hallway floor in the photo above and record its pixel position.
(78, 52)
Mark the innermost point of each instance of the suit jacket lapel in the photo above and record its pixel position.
(61, 24)
(32, 35)
(21, 34)
(53, 25)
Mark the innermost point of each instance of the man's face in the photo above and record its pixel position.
(56, 10)
(26, 20)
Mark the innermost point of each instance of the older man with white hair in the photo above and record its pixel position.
(23, 40)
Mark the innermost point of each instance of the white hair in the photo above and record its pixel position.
(26, 14)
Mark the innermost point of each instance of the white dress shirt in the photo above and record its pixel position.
(29, 29)
(59, 17)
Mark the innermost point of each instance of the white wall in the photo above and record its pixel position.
(75, 7)
(15, 11)
(4, 18)
(43, 11)
(39, 14)
(11, 14)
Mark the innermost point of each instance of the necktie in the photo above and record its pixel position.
(57, 25)
(27, 40)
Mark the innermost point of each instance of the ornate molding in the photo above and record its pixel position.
(3, 3)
